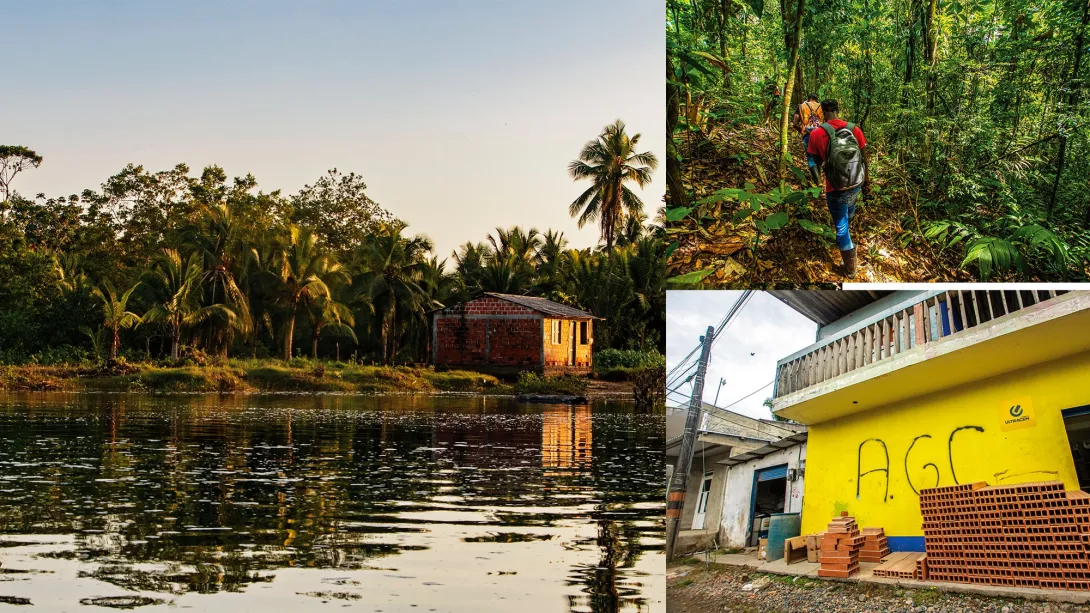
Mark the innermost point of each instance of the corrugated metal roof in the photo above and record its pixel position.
(769, 449)
(543, 305)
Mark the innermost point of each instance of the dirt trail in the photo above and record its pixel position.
(889, 249)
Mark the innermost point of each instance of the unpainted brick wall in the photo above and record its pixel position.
(462, 340)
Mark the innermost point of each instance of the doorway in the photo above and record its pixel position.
(1077, 424)
(702, 502)
(571, 354)
(769, 496)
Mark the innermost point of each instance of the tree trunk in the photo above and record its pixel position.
(175, 336)
(314, 344)
(1073, 85)
(290, 333)
(722, 13)
(932, 51)
(787, 99)
(910, 52)
(113, 345)
(673, 165)
(393, 333)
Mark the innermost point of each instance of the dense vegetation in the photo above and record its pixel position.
(975, 113)
(164, 265)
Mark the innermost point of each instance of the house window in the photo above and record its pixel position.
(556, 331)
(584, 332)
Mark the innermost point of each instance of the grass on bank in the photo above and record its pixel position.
(247, 376)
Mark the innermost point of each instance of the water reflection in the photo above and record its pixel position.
(399, 503)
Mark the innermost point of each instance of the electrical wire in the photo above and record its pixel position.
(746, 396)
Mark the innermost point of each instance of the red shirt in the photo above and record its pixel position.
(819, 141)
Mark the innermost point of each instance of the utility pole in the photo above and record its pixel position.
(722, 382)
(675, 500)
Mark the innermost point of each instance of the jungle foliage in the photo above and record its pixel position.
(976, 114)
(171, 266)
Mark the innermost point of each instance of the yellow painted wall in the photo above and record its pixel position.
(981, 449)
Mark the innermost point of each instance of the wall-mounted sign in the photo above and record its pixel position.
(1017, 413)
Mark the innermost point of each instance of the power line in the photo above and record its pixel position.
(747, 395)
(684, 366)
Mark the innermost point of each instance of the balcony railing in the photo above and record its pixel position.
(937, 315)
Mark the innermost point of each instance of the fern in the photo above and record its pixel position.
(1040, 239)
(993, 254)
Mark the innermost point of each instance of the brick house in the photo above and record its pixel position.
(504, 334)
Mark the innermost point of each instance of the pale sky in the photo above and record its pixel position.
(765, 327)
(461, 116)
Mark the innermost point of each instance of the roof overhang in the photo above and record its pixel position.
(825, 307)
(767, 450)
(1050, 330)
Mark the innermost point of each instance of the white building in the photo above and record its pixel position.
(740, 473)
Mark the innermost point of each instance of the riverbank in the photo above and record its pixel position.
(245, 376)
(255, 376)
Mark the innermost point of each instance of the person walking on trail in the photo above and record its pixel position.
(839, 147)
(771, 93)
(808, 118)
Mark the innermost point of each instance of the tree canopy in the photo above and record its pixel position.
(975, 112)
(154, 264)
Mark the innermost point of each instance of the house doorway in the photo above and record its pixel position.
(769, 496)
(1077, 424)
(571, 353)
(702, 502)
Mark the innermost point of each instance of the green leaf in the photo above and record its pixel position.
(670, 250)
(742, 215)
(690, 278)
(800, 175)
(677, 214)
(776, 220)
(795, 197)
(993, 254)
(817, 228)
(758, 6)
(1041, 239)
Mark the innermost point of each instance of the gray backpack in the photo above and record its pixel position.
(844, 168)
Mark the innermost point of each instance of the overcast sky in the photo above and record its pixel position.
(766, 328)
(461, 116)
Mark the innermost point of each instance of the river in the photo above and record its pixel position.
(300, 503)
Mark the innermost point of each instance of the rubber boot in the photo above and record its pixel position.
(849, 262)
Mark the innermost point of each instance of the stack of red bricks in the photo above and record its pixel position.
(875, 545)
(1025, 535)
(840, 548)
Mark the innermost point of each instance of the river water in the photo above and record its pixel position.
(300, 503)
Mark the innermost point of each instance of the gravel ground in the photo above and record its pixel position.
(694, 589)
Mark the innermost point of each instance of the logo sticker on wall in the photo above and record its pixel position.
(1016, 414)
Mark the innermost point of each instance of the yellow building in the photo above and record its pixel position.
(910, 390)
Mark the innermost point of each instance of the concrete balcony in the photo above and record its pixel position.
(932, 341)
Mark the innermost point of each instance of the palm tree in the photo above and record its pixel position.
(392, 267)
(225, 254)
(633, 229)
(175, 289)
(549, 262)
(522, 244)
(304, 275)
(470, 259)
(609, 162)
(70, 276)
(506, 275)
(326, 313)
(115, 312)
